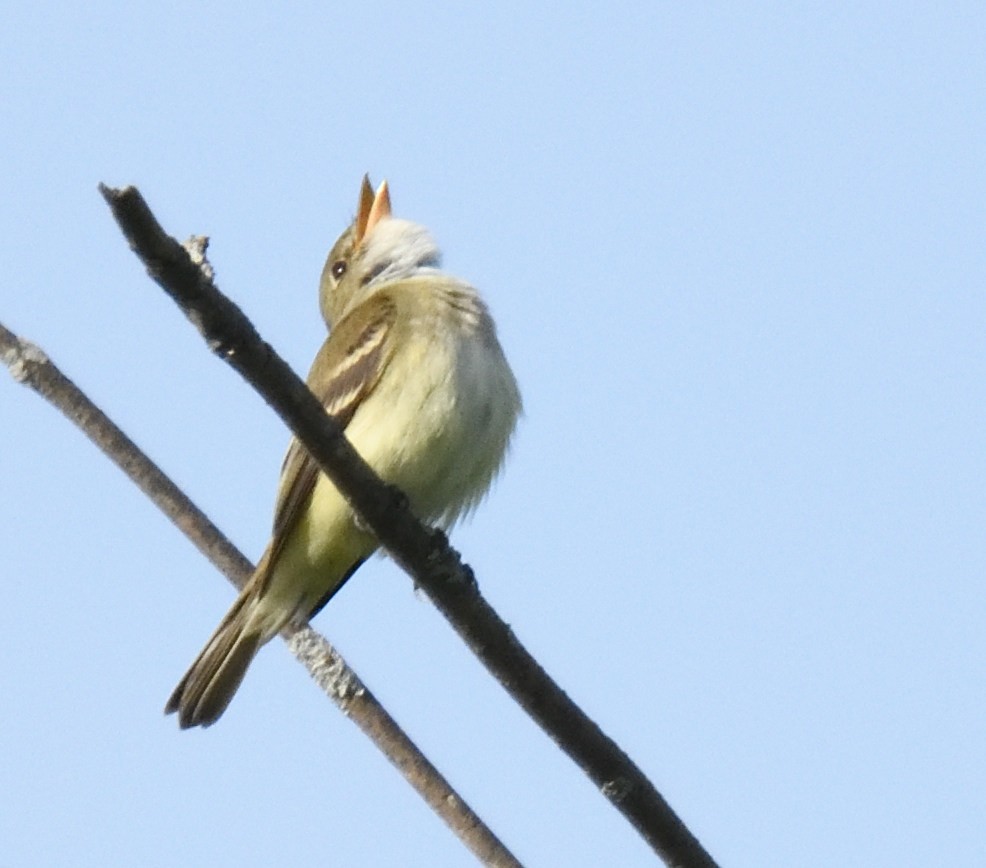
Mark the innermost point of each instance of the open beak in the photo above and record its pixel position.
(373, 207)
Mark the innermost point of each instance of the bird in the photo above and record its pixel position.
(413, 372)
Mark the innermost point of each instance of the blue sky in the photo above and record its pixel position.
(736, 256)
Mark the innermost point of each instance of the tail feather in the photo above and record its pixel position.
(210, 683)
(258, 614)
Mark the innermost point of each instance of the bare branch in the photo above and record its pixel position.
(31, 366)
(422, 552)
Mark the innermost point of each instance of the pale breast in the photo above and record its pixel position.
(440, 428)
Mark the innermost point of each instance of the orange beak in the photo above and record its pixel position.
(373, 207)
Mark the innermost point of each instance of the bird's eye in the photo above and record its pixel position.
(338, 268)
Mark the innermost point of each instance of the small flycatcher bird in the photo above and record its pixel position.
(414, 373)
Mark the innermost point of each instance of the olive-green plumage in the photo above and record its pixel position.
(413, 371)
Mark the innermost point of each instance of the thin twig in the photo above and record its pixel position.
(422, 552)
(31, 366)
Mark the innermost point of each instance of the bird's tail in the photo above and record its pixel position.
(210, 683)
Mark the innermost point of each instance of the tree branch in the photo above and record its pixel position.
(422, 552)
(30, 366)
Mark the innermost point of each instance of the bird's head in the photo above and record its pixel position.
(376, 249)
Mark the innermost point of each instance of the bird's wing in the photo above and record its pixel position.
(345, 371)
